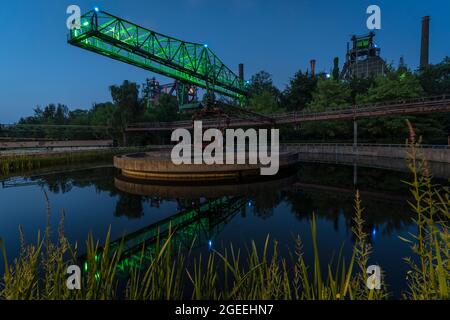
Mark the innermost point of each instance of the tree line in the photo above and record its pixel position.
(304, 92)
(324, 92)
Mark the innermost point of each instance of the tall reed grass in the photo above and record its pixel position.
(429, 266)
(39, 272)
(26, 162)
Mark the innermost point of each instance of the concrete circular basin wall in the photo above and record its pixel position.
(158, 165)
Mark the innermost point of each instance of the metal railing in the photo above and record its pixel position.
(369, 145)
(353, 111)
(405, 103)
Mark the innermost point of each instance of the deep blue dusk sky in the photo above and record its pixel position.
(38, 67)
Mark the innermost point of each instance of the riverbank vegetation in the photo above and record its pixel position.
(23, 163)
(39, 271)
(131, 103)
(322, 93)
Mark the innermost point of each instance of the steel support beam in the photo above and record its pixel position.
(355, 135)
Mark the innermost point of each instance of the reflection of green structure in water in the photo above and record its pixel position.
(193, 227)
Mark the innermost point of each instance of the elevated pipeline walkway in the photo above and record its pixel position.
(428, 105)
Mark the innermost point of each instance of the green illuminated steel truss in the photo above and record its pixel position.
(191, 227)
(187, 62)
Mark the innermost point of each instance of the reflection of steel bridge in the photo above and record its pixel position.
(196, 226)
(394, 108)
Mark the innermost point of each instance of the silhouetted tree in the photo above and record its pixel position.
(299, 92)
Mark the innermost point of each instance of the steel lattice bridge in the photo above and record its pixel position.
(188, 62)
(194, 64)
(428, 105)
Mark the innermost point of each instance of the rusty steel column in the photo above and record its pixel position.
(425, 44)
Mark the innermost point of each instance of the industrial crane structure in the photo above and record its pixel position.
(189, 63)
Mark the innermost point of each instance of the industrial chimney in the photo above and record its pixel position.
(425, 46)
(241, 71)
(313, 68)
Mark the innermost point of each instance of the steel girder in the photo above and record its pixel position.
(188, 62)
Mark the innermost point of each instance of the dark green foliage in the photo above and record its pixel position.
(394, 86)
(435, 79)
(128, 107)
(101, 114)
(264, 103)
(262, 82)
(397, 85)
(165, 110)
(126, 98)
(299, 92)
(360, 87)
(51, 114)
(330, 94)
(303, 93)
(264, 96)
(336, 72)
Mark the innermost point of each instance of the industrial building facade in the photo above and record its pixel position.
(363, 60)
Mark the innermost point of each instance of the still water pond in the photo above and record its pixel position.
(94, 198)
